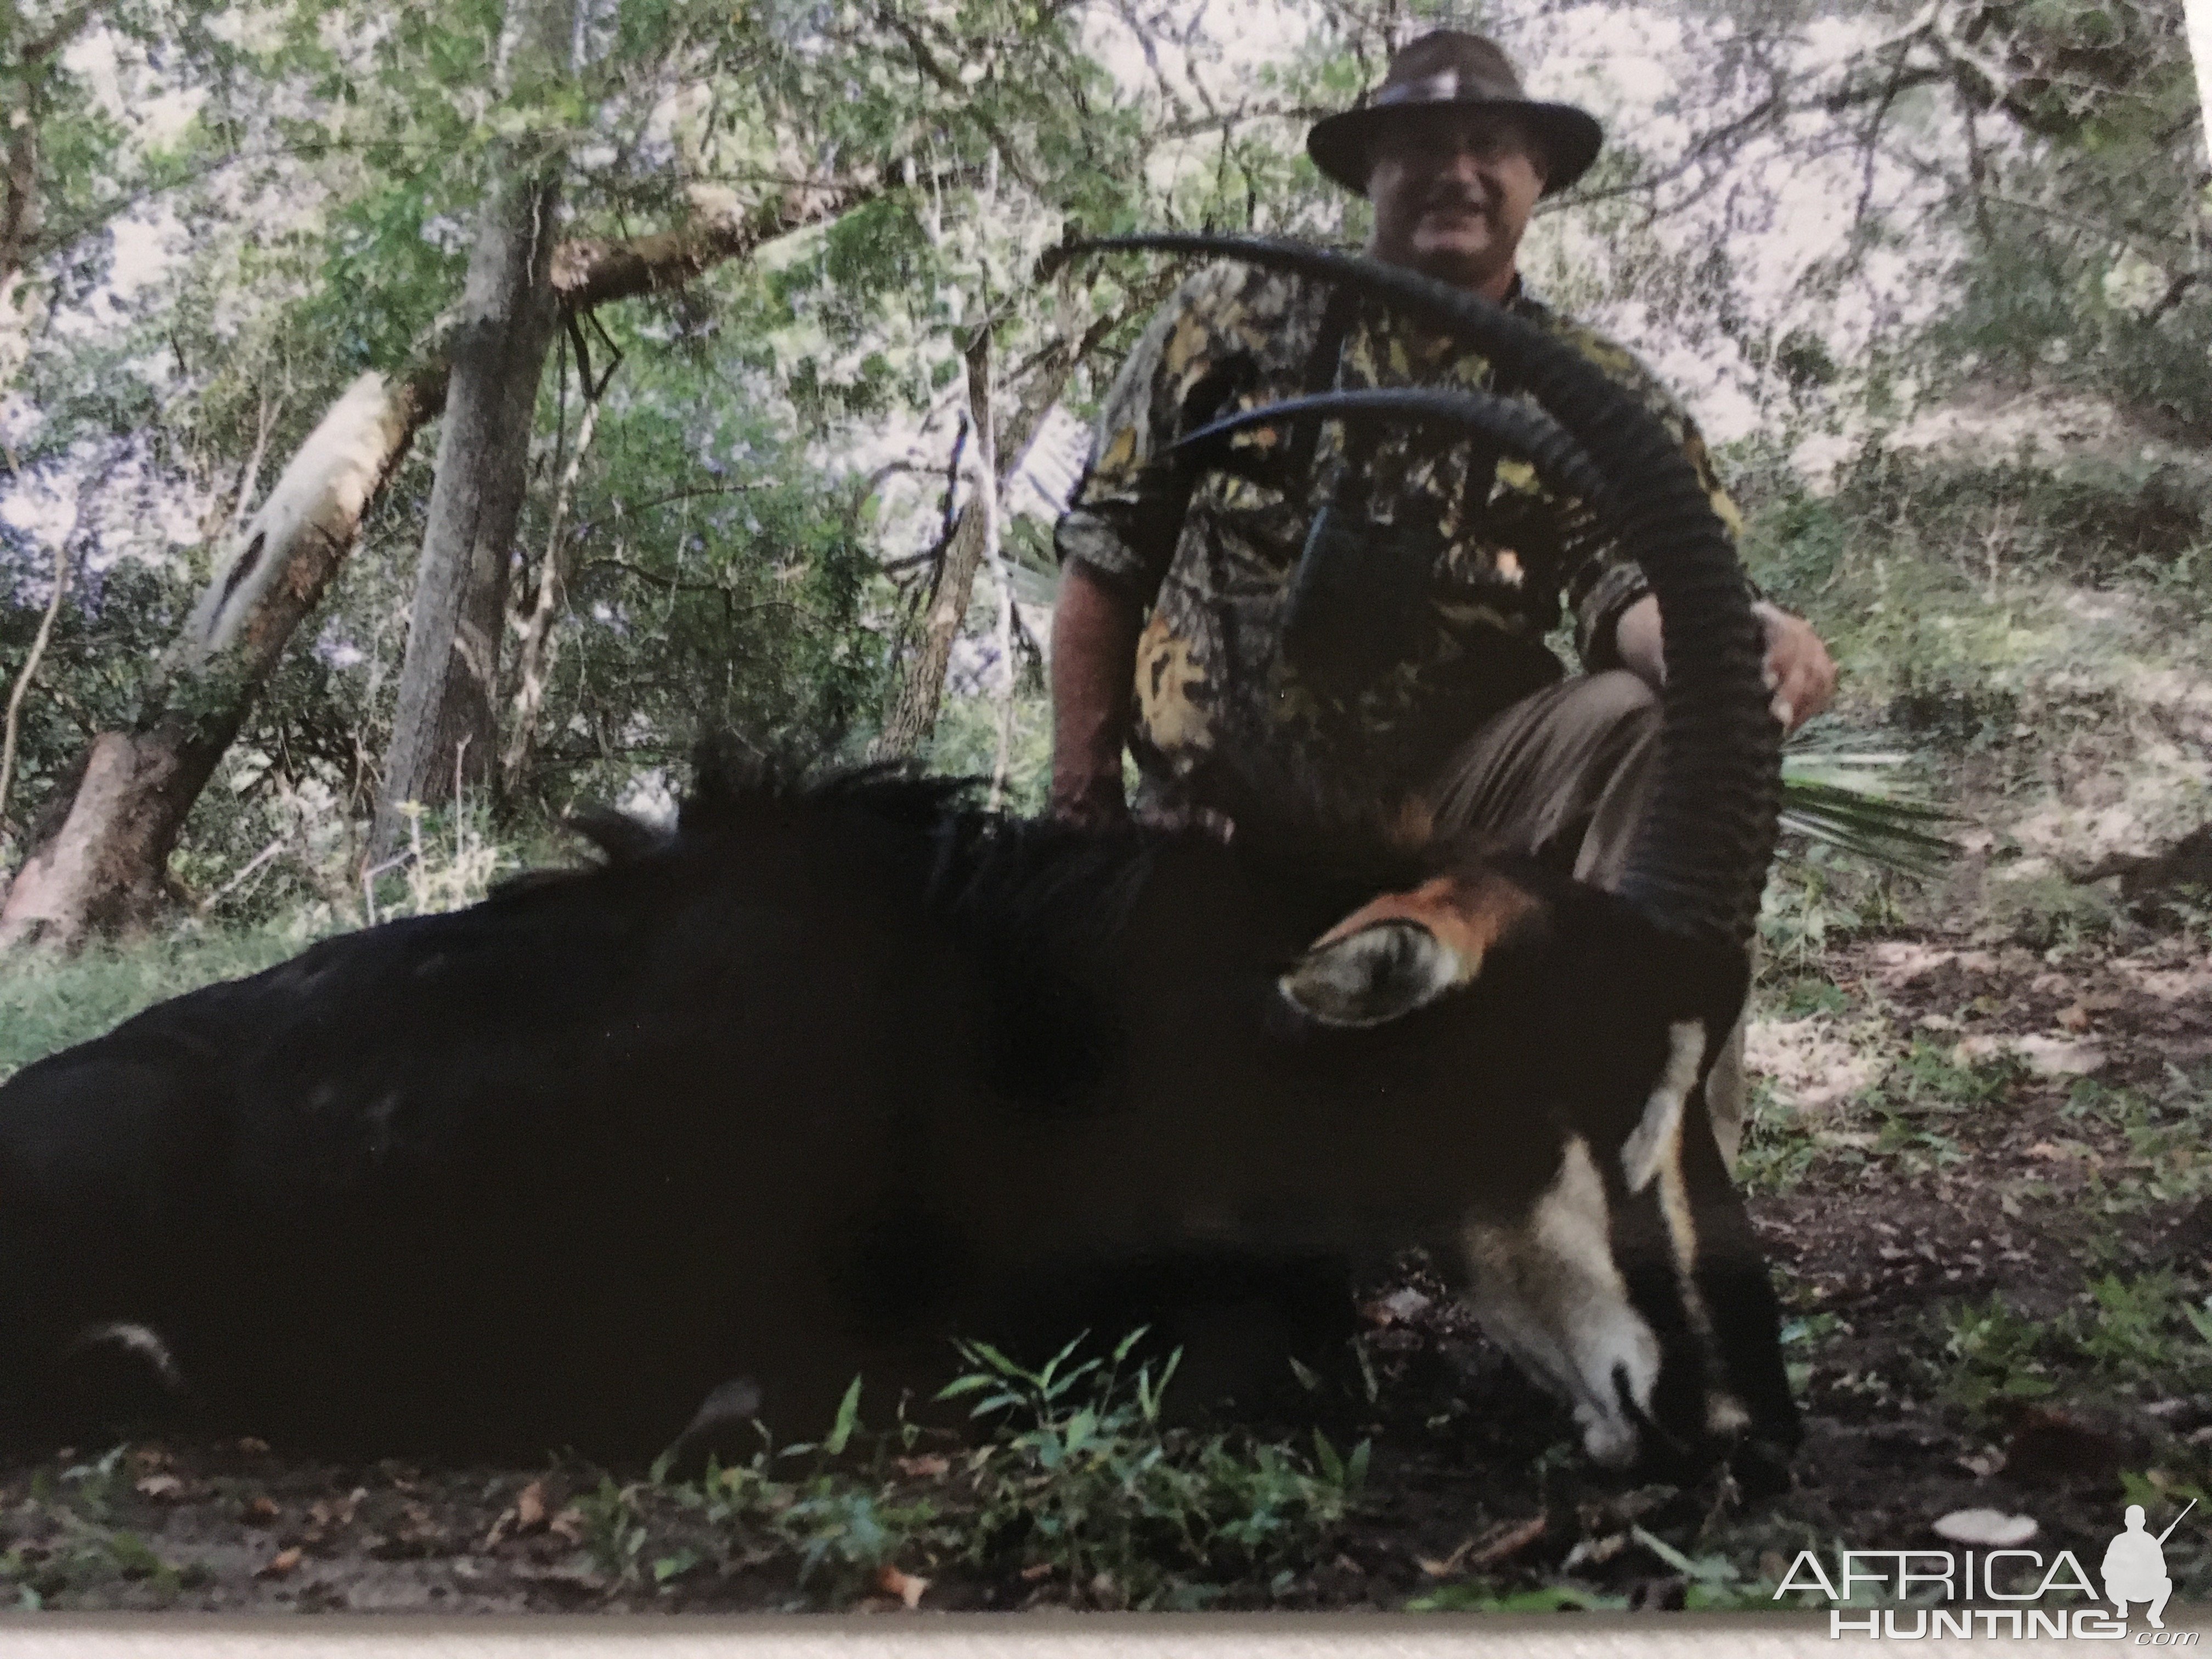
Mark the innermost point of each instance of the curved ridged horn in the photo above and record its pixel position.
(1531, 434)
(1698, 861)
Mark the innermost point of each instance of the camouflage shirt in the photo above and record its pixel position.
(1213, 551)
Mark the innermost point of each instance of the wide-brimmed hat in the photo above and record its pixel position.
(1466, 70)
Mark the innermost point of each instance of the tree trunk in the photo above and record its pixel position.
(445, 726)
(103, 866)
(921, 687)
(98, 853)
(920, 692)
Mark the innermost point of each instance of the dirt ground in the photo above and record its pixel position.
(1980, 1164)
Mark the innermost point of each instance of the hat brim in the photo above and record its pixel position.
(1570, 137)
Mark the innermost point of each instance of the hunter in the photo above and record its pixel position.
(1376, 610)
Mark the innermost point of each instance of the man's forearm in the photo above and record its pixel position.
(1799, 672)
(1094, 651)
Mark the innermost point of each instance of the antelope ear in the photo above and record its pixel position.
(1402, 951)
(1381, 973)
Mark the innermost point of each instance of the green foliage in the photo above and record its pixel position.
(1837, 797)
(70, 1545)
(115, 622)
(715, 587)
(1816, 894)
(1082, 1476)
(966, 745)
(2168, 1131)
(1997, 1355)
(1072, 1477)
(2050, 912)
(2143, 1336)
(2041, 299)
(1778, 1146)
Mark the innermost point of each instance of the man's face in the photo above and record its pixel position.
(1453, 189)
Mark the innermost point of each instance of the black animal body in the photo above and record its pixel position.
(826, 1077)
(837, 1071)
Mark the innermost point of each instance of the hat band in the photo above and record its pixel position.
(1441, 87)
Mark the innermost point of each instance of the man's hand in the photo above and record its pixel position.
(1799, 672)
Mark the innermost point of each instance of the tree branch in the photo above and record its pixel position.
(928, 62)
(21, 688)
(588, 272)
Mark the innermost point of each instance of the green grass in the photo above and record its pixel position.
(76, 1550)
(48, 1003)
(1071, 1481)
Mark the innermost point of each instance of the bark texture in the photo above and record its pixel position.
(921, 693)
(913, 716)
(99, 853)
(445, 728)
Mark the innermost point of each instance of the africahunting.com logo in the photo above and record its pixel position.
(1939, 1588)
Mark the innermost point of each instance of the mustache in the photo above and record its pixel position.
(1453, 195)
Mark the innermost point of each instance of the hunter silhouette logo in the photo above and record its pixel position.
(2134, 1566)
(1917, 1594)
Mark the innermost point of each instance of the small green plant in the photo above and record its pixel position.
(2145, 1332)
(1778, 1144)
(1802, 1338)
(1838, 796)
(1796, 916)
(2049, 912)
(1811, 993)
(2141, 1335)
(2166, 1131)
(1082, 1477)
(70, 1551)
(1075, 1481)
(1997, 1357)
(1932, 1077)
(846, 1520)
(616, 1529)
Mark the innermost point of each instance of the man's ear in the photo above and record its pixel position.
(1401, 951)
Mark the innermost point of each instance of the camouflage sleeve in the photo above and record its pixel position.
(1128, 507)
(1601, 580)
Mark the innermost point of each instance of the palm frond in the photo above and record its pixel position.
(1840, 797)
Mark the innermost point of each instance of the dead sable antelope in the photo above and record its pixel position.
(837, 1069)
